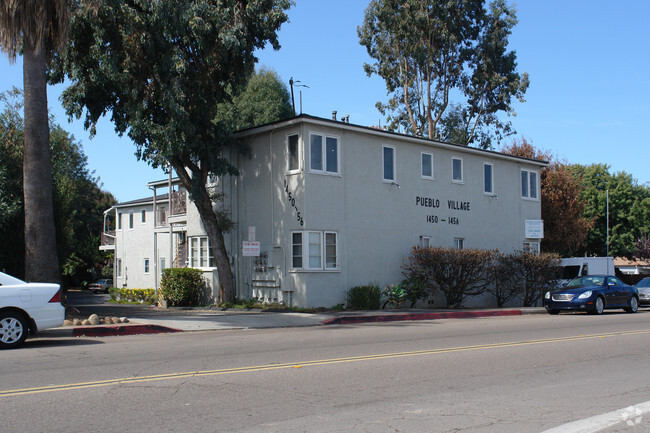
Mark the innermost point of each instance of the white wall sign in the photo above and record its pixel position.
(534, 229)
(251, 249)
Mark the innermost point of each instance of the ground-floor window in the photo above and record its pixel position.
(314, 250)
(200, 253)
(531, 247)
(146, 266)
(425, 241)
(459, 243)
(119, 268)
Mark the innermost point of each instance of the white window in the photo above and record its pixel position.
(293, 153)
(324, 154)
(131, 220)
(529, 184)
(162, 264)
(427, 165)
(119, 221)
(119, 268)
(388, 157)
(488, 183)
(200, 253)
(146, 266)
(310, 252)
(425, 241)
(459, 243)
(143, 216)
(457, 170)
(531, 247)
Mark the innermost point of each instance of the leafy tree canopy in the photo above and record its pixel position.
(265, 99)
(78, 199)
(629, 209)
(166, 72)
(430, 50)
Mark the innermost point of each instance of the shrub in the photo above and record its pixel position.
(366, 297)
(140, 296)
(182, 287)
(394, 295)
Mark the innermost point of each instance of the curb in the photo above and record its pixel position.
(419, 316)
(107, 330)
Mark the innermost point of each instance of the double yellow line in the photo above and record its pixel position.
(170, 376)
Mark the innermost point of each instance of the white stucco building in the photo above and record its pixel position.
(334, 205)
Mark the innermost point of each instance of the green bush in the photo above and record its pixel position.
(366, 297)
(140, 296)
(182, 287)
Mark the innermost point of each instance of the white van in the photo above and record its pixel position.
(573, 267)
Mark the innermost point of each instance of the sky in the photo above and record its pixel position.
(588, 100)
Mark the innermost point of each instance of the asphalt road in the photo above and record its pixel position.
(502, 374)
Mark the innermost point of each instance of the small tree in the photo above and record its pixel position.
(536, 273)
(504, 278)
(642, 248)
(458, 274)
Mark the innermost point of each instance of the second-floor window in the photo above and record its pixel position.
(292, 150)
(324, 154)
(388, 158)
(529, 184)
(488, 186)
(143, 216)
(427, 165)
(457, 170)
(131, 220)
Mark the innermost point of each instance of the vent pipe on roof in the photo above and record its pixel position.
(346, 119)
(333, 114)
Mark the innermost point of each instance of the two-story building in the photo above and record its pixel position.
(334, 205)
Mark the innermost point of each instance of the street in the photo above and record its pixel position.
(500, 374)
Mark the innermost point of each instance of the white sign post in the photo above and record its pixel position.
(250, 249)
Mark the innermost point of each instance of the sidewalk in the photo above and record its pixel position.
(146, 319)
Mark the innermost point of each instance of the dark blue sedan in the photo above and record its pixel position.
(594, 294)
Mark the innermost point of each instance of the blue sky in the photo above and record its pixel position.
(588, 101)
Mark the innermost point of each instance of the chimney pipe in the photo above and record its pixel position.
(333, 114)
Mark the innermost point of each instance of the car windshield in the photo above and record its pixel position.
(644, 282)
(586, 281)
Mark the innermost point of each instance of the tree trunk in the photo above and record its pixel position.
(41, 262)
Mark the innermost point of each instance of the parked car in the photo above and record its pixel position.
(101, 285)
(26, 308)
(643, 287)
(593, 293)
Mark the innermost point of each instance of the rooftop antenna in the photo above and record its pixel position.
(293, 102)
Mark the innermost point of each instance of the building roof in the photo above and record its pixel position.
(373, 130)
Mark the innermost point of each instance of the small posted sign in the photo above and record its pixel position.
(251, 249)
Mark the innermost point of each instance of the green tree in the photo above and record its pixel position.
(37, 28)
(629, 209)
(428, 50)
(167, 71)
(265, 99)
(77, 199)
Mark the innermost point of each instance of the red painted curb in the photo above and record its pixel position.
(418, 316)
(107, 331)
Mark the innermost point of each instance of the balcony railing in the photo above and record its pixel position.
(108, 238)
(179, 202)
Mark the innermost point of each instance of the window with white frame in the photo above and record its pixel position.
(488, 179)
(459, 243)
(427, 165)
(131, 220)
(529, 184)
(119, 221)
(143, 216)
(146, 266)
(457, 169)
(293, 153)
(531, 247)
(200, 253)
(162, 264)
(314, 250)
(119, 268)
(425, 241)
(388, 158)
(323, 154)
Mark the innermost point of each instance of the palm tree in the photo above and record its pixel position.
(38, 27)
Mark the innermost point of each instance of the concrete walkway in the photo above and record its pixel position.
(146, 319)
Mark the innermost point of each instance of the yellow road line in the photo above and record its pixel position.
(159, 377)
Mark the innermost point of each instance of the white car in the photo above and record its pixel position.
(26, 308)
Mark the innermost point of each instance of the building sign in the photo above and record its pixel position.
(451, 205)
(251, 249)
(534, 229)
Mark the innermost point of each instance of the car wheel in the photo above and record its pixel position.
(634, 305)
(13, 330)
(599, 306)
(554, 312)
